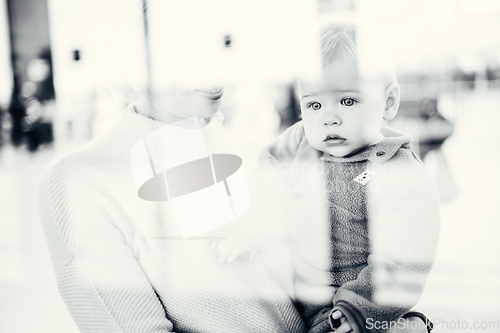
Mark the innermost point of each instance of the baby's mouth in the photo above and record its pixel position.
(334, 140)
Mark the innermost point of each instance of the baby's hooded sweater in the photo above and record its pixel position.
(373, 247)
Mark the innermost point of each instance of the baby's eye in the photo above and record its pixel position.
(314, 105)
(348, 101)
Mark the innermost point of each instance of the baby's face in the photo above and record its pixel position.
(340, 115)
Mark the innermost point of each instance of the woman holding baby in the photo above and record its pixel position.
(123, 265)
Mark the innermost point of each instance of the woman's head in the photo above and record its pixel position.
(174, 103)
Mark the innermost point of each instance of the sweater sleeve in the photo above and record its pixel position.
(98, 276)
(404, 231)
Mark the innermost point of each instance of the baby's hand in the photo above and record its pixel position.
(228, 250)
(344, 323)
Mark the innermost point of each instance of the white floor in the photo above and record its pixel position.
(463, 287)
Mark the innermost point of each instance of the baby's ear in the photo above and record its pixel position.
(392, 98)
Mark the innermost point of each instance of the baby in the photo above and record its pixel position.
(379, 205)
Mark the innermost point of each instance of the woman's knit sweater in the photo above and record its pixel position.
(121, 263)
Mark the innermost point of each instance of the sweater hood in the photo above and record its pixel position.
(380, 152)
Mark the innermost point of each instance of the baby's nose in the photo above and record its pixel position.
(331, 119)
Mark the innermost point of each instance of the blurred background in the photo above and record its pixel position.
(69, 68)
